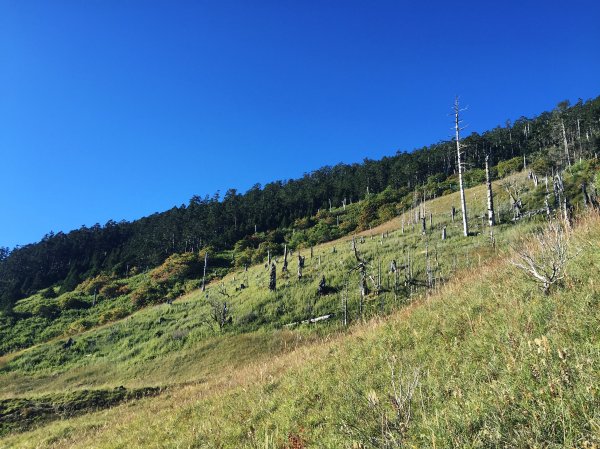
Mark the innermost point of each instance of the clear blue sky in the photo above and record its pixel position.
(118, 109)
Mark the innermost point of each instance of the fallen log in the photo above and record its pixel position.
(312, 320)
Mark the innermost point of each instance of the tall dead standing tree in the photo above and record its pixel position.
(490, 194)
(362, 267)
(284, 268)
(463, 202)
(204, 274)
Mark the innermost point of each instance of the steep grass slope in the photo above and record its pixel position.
(175, 343)
(485, 360)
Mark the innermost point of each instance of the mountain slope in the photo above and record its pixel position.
(496, 362)
(64, 260)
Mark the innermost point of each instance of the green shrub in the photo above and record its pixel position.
(92, 285)
(48, 293)
(147, 293)
(81, 325)
(72, 301)
(113, 314)
(368, 215)
(114, 290)
(513, 165)
(177, 267)
(386, 212)
(541, 166)
(48, 310)
(474, 177)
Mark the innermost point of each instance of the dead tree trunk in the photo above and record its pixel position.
(490, 194)
(300, 266)
(204, 274)
(364, 289)
(463, 202)
(322, 289)
(586, 197)
(565, 143)
(284, 268)
(345, 305)
(273, 278)
(444, 233)
(564, 202)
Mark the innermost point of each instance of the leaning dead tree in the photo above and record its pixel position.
(463, 202)
(514, 193)
(490, 194)
(544, 260)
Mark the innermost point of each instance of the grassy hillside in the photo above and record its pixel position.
(481, 358)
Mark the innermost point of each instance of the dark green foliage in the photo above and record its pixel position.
(48, 310)
(72, 301)
(49, 293)
(71, 281)
(513, 165)
(474, 177)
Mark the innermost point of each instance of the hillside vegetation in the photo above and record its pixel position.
(458, 349)
(290, 210)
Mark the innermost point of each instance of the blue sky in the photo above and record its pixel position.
(119, 109)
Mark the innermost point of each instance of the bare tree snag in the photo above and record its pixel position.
(284, 268)
(322, 287)
(345, 306)
(490, 194)
(545, 260)
(300, 265)
(362, 270)
(444, 233)
(273, 278)
(428, 267)
(565, 143)
(204, 274)
(563, 201)
(463, 202)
